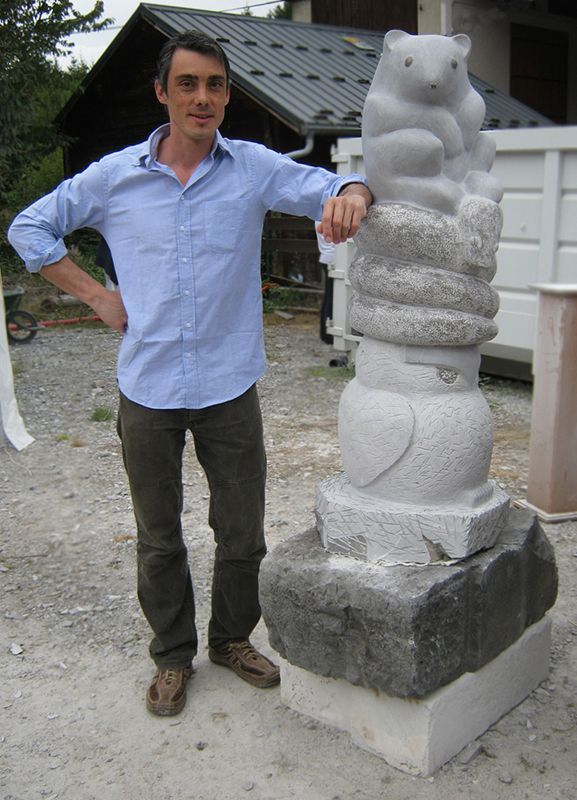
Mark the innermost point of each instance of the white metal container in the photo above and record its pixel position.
(538, 170)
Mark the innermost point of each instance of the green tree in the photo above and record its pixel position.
(36, 167)
(43, 168)
(33, 33)
(281, 12)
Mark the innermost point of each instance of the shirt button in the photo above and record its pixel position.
(182, 227)
(186, 292)
(188, 325)
(185, 260)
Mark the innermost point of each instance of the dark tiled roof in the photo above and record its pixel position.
(503, 111)
(315, 77)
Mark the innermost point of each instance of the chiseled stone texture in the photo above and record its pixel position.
(414, 427)
(421, 278)
(370, 529)
(386, 277)
(430, 239)
(416, 437)
(405, 630)
(464, 244)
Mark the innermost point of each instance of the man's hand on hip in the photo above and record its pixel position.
(111, 311)
(106, 303)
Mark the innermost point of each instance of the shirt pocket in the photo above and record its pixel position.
(225, 222)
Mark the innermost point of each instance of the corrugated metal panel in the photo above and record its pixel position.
(308, 74)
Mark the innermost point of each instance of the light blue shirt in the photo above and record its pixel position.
(187, 259)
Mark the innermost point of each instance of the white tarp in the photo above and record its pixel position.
(11, 424)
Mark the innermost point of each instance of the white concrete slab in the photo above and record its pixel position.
(419, 735)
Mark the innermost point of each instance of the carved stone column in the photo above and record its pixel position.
(412, 658)
(415, 431)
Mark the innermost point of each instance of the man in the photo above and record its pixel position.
(182, 214)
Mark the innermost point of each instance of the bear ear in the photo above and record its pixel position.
(392, 37)
(464, 43)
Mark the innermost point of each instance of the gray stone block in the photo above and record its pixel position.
(405, 630)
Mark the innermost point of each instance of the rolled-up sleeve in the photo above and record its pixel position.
(37, 233)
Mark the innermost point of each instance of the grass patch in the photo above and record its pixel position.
(102, 414)
(62, 437)
(284, 298)
(332, 373)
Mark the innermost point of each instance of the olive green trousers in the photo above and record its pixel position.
(228, 439)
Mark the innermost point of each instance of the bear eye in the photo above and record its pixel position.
(408, 61)
(454, 63)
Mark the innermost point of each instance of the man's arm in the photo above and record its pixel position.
(343, 214)
(69, 277)
(38, 232)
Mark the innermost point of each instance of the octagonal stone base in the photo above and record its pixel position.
(358, 525)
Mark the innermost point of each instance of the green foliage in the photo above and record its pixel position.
(32, 30)
(10, 263)
(32, 166)
(281, 12)
(284, 298)
(83, 245)
(102, 414)
(36, 180)
(33, 33)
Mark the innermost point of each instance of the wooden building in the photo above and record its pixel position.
(296, 86)
(526, 48)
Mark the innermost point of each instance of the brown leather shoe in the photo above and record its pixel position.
(248, 663)
(166, 694)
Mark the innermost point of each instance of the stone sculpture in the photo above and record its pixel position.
(415, 431)
(421, 125)
(416, 661)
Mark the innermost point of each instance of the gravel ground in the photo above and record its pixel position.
(73, 645)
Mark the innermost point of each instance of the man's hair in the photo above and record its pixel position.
(196, 41)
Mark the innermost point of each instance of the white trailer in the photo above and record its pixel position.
(538, 170)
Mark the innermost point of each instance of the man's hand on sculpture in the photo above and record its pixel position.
(110, 309)
(342, 215)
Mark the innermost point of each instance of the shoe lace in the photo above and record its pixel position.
(169, 676)
(244, 647)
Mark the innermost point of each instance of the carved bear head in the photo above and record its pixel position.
(426, 69)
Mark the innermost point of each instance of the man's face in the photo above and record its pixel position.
(196, 94)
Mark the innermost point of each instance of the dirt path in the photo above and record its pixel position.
(73, 645)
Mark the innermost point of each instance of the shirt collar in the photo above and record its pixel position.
(149, 150)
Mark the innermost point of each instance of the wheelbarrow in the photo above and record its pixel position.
(21, 326)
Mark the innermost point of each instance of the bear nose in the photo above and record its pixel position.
(433, 84)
